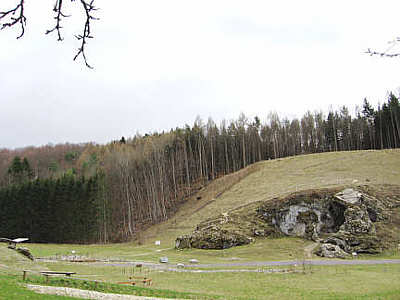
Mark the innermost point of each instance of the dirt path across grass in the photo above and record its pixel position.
(83, 294)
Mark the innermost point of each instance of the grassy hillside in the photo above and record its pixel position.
(280, 177)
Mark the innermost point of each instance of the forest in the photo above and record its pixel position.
(107, 193)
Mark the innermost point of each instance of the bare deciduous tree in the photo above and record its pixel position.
(16, 16)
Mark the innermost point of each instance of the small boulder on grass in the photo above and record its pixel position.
(193, 261)
(164, 260)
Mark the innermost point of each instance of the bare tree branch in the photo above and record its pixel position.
(386, 53)
(10, 20)
(89, 9)
(59, 15)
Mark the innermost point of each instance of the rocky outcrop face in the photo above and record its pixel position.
(343, 221)
(211, 234)
(304, 215)
(357, 233)
(357, 221)
(359, 243)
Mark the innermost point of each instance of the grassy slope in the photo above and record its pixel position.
(283, 176)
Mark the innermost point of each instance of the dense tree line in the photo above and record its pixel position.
(51, 210)
(147, 177)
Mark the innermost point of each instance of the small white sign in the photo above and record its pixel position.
(157, 243)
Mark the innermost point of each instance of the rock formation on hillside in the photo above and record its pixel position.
(342, 221)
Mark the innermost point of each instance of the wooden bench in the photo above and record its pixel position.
(47, 274)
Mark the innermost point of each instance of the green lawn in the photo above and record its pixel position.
(263, 250)
(12, 288)
(322, 282)
(341, 282)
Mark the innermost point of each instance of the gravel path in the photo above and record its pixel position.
(264, 263)
(83, 294)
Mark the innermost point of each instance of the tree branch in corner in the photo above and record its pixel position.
(16, 16)
(11, 20)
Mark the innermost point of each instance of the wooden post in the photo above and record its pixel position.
(25, 274)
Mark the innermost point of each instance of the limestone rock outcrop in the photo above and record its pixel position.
(342, 220)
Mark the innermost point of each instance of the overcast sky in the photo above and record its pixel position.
(159, 64)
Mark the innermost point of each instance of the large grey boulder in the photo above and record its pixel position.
(331, 251)
(337, 241)
(212, 238)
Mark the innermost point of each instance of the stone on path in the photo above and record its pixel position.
(164, 260)
(193, 261)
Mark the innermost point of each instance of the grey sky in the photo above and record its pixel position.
(159, 64)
